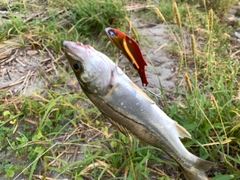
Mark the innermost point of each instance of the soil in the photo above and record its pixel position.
(22, 69)
(161, 69)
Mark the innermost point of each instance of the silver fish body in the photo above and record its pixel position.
(129, 108)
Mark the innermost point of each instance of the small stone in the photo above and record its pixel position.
(237, 34)
(32, 52)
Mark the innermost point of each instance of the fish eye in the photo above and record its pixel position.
(76, 66)
(112, 33)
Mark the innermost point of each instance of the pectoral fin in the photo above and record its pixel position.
(182, 132)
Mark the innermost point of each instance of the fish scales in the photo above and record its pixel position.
(144, 125)
(129, 108)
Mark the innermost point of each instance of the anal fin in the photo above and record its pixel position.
(182, 132)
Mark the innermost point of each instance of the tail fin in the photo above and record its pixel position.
(197, 171)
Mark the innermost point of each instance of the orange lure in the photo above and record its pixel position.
(130, 49)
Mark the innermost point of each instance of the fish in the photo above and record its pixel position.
(127, 107)
(130, 49)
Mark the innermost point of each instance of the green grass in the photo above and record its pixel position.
(220, 7)
(60, 131)
(211, 102)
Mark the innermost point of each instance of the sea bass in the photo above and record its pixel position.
(129, 108)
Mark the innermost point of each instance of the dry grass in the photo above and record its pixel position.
(58, 133)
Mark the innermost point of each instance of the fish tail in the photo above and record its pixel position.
(198, 169)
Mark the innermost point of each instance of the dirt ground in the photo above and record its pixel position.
(23, 70)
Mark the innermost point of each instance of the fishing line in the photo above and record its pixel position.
(120, 73)
(157, 95)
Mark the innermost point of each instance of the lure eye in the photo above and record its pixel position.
(76, 66)
(112, 33)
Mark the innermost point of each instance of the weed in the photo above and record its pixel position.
(220, 7)
(92, 17)
(61, 133)
(214, 98)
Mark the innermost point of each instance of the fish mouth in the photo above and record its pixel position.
(67, 43)
(70, 49)
(70, 46)
(75, 47)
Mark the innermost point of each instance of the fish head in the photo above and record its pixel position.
(92, 68)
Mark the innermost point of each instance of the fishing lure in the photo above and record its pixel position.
(130, 49)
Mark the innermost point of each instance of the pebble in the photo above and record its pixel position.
(32, 52)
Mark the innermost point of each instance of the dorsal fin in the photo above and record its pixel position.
(182, 132)
(141, 92)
